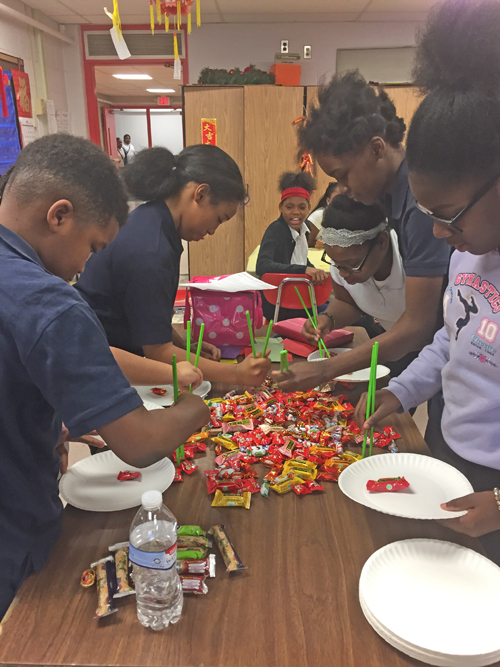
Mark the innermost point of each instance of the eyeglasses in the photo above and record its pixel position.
(348, 269)
(452, 221)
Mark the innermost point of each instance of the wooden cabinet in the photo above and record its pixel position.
(255, 126)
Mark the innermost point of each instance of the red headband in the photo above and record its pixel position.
(295, 192)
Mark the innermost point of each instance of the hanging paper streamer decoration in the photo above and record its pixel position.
(116, 32)
(176, 9)
(176, 47)
(152, 16)
(115, 17)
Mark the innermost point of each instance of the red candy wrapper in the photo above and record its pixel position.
(192, 583)
(128, 476)
(387, 484)
(178, 475)
(188, 467)
(158, 391)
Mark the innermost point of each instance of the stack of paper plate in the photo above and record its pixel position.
(434, 601)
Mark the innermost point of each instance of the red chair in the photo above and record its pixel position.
(286, 296)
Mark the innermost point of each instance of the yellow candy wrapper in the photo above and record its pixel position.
(228, 500)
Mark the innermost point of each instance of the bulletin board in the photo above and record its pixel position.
(10, 145)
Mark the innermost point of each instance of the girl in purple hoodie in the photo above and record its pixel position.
(454, 173)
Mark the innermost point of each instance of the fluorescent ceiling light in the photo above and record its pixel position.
(136, 77)
(160, 90)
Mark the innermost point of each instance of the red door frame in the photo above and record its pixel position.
(89, 72)
(147, 108)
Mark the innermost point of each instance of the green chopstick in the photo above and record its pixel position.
(266, 342)
(188, 347)
(249, 321)
(200, 341)
(174, 379)
(373, 372)
(370, 398)
(314, 324)
(284, 361)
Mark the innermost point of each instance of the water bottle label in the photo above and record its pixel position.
(154, 560)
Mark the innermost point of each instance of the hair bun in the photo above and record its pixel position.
(459, 48)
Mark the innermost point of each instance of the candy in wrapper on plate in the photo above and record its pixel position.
(123, 587)
(228, 553)
(222, 500)
(193, 542)
(190, 530)
(202, 567)
(128, 476)
(387, 484)
(106, 586)
(158, 391)
(192, 583)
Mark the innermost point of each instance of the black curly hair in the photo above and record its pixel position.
(345, 213)
(68, 167)
(156, 173)
(349, 113)
(330, 189)
(455, 132)
(296, 179)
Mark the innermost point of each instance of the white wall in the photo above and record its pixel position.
(238, 45)
(135, 124)
(166, 130)
(75, 82)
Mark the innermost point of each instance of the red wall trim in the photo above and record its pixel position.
(89, 73)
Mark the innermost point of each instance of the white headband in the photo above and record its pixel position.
(344, 238)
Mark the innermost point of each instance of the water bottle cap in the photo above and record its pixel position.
(152, 500)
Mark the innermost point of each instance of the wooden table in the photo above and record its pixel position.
(295, 606)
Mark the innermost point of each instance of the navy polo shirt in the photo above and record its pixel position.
(55, 365)
(131, 285)
(423, 254)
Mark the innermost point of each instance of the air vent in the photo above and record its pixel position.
(141, 44)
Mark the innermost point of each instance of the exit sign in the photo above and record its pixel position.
(163, 101)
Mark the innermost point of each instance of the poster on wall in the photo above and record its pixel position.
(10, 145)
(209, 131)
(28, 130)
(51, 117)
(23, 94)
(62, 121)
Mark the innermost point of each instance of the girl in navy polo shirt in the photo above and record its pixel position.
(132, 284)
(357, 139)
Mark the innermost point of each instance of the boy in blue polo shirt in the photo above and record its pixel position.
(62, 201)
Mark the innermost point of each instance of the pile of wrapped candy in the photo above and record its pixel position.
(113, 574)
(301, 437)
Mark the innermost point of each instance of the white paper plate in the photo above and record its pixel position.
(427, 657)
(417, 589)
(315, 356)
(432, 482)
(91, 483)
(362, 375)
(146, 394)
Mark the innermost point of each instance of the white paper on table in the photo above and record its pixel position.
(238, 282)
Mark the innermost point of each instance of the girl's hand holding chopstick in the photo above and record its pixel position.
(385, 404)
(187, 374)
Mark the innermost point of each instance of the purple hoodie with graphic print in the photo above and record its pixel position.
(464, 360)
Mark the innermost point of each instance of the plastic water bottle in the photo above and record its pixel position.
(153, 551)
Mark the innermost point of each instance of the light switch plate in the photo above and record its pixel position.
(307, 52)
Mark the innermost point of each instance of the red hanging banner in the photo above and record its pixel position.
(23, 93)
(209, 131)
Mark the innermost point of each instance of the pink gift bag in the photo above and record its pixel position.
(224, 314)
